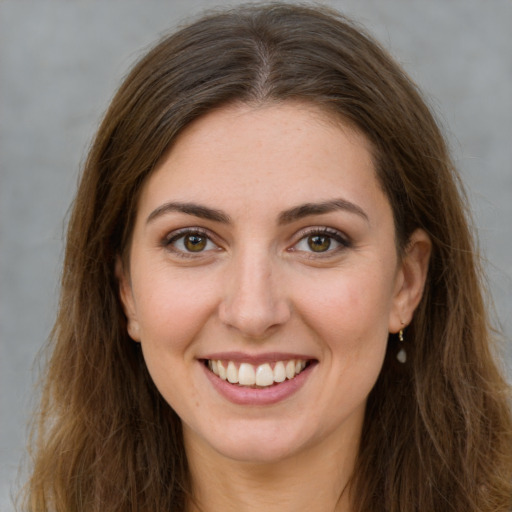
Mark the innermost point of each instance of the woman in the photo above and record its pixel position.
(270, 297)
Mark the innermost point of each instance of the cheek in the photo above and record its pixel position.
(351, 311)
(174, 308)
(171, 312)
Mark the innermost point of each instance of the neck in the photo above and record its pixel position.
(314, 479)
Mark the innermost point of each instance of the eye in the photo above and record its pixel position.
(321, 241)
(190, 242)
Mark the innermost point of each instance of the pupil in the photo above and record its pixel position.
(195, 243)
(319, 243)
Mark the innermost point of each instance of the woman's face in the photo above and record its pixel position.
(264, 252)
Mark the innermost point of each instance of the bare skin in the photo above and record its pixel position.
(314, 480)
(262, 237)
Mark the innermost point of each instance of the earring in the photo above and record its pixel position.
(402, 354)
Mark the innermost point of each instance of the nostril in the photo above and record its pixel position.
(254, 322)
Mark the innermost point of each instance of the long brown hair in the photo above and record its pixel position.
(438, 430)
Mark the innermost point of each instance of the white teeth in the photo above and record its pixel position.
(262, 375)
(232, 373)
(279, 372)
(290, 369)
(222, 370)
(246, 374)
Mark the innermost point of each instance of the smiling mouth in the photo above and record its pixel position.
(257, 376)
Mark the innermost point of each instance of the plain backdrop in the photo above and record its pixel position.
(60, 63)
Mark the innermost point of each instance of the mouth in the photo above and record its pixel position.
(259, 376)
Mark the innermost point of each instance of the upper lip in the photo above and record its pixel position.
(267, 357)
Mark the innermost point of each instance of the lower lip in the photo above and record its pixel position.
(242, 395)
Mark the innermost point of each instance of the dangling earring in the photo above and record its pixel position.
(402, 354)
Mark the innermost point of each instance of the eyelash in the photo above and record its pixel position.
(332, 234)
(173, 237)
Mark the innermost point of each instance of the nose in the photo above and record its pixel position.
(254, 301)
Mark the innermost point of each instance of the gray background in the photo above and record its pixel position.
(60, 62)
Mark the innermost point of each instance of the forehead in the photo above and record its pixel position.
(272, 156)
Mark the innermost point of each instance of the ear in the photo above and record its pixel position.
(127, 300)
(410, 280)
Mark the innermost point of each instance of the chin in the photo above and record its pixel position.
(256, 444)
(253, 451)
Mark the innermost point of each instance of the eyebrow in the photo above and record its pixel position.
(307, 209)
(285, 217)
(203, 212)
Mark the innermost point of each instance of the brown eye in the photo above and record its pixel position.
(189, 242)
(319, 243)
(194, 242)
(322, 241)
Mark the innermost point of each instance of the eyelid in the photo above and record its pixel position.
(338, 236)
(173, 236)
(176, 233)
